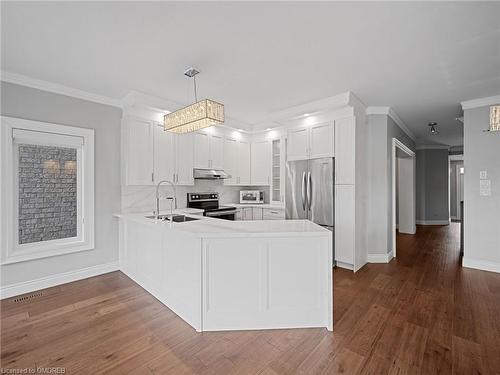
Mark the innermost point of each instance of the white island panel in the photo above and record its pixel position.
(267, 283)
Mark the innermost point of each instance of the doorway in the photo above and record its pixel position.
(456, 186)
(403, 191)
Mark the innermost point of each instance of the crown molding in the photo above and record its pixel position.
(22, 80)
(481, 102)
(432, 147)
(388, 111)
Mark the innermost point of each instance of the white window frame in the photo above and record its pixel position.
(15, 131)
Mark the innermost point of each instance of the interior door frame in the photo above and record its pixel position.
(397, 144)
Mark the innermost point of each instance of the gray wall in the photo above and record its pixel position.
(482, 213)
(432, 186)
(454, 164)
(381, 130)
(32, 104)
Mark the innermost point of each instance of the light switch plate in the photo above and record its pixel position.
(483, 175)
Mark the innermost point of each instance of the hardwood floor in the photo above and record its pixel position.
(420, 314)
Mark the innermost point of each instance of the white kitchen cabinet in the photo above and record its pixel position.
(261, 163)
(345, 225)
(208, 150)
(231, 160)
(201, 150)
(298, 144)
(184, 159)
(273, 214)
(345, 151)
(138, 151)
(246, 213)
(237, 161)
(216, 151)
(321, 141)
(244, 163)
(311, 142)
(165, 155)
(278, 170)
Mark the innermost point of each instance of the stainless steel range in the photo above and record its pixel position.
(210, 203)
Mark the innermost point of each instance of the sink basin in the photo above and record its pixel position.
(176, 218)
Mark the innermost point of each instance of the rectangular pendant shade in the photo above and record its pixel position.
(194, 117)
(495, 118)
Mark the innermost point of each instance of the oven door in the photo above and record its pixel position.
(226, 215)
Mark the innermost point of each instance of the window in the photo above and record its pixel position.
(47, 198)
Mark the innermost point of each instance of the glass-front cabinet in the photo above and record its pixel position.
(278, 170)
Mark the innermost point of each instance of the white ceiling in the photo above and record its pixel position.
(422, 59)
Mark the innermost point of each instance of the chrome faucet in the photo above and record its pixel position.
(158, 198)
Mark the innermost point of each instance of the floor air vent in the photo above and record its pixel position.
(27, 297)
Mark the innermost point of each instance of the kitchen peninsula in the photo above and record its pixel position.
(233, 275)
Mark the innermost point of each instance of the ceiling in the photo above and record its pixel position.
(420, 58)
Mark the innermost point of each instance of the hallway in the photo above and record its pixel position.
(422, 312)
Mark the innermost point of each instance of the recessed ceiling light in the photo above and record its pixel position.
(268, 129)
(306, 114)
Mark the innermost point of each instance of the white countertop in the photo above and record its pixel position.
(211, 227)
(257, 205)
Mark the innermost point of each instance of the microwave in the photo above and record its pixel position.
(251, 196)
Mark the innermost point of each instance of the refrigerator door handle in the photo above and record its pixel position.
(309, 190)
(304, 191)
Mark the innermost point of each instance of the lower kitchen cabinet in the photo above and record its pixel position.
(273, 214)
(260, 213)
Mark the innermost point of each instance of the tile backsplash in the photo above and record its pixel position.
(142, 198)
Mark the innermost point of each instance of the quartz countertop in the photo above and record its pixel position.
(211, 227)
(256, 205)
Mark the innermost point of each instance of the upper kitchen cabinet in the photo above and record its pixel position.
(311, 142)
(345, 151)
(174, 154)
(244, 163)
(152, 154)
(231, 160)
(184, 159)
(208, 150)
(298, 144)
(261, 163)
(321, 141)
(237, 161)
(138, 151)
(164, 155)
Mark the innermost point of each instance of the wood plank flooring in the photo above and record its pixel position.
(420, 314)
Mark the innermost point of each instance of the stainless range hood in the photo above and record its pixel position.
(209, 174)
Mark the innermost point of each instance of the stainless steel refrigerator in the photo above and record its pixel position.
(309, 192)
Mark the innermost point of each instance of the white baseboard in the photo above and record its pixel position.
(11, 290)
(433, 222)
(380, 258)
(479, 264)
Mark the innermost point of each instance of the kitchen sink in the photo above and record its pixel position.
(176, 218)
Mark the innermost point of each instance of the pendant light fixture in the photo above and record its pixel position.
(433, 125)
(201, 114)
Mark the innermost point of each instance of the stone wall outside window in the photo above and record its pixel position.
(47, 193)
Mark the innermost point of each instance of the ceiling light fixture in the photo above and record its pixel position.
(268, 129)
(433, 127)
(495, 118)
(201, 114)
(307, 114)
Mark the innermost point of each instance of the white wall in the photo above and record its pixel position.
(482, 213)
(23, 102)
(381, 130)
